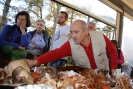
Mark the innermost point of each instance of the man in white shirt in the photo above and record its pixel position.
(61, 36)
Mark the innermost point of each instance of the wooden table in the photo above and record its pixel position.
(3, 63)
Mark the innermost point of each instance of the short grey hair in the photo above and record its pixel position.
(92, 23)
(41, 20)
(84, 25)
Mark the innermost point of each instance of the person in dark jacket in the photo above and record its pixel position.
(15, 38)
(40, 41)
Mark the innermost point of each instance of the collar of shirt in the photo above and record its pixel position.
(39, 33)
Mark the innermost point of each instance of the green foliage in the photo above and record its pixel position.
(53, 11)
(48, 31)
(35, 2)
(35, 6)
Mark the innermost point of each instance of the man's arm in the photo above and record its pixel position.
(112, 52)
(52, 55)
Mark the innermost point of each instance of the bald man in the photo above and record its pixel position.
(88, 49)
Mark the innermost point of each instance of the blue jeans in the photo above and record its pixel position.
(56, 64)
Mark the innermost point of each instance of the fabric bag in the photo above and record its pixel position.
(7, 49)
(18, 54)
(15, 53)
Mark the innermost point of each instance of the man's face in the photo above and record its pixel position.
(91, 27)
(61, 19)
(39, 26)
(77, 33)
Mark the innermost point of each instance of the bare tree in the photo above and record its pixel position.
(35, 6)
(5, 13)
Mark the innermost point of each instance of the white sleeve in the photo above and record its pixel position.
(67, 30)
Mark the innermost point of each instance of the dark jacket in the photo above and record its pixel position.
(11, 35)
(46, 38)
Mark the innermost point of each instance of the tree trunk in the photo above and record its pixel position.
(54, 26)
(72, 17)
(5, 13)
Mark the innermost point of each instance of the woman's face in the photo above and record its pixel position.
(21, 20)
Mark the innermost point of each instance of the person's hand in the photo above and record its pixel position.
(38, 48)
(34, 43)
(32, 62)
(21, 47)
(113, 70)
(22, 28)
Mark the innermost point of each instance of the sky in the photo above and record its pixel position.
(96, 7)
